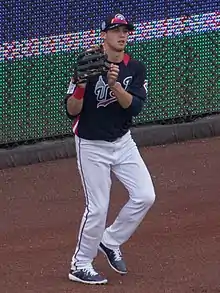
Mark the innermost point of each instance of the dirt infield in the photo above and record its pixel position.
(176, 249)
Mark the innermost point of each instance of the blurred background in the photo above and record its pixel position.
(39, 42)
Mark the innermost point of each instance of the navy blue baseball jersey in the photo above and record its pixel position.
(102, 117)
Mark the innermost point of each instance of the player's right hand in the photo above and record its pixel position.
(112, 75)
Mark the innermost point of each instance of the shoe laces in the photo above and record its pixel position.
(117, 255)
(90, 271)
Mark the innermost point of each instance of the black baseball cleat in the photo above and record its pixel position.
(114, 258)
(87, 276)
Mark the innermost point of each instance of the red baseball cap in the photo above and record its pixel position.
(116, 20)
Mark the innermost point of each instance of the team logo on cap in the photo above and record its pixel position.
(120, 16)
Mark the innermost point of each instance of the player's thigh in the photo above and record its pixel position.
(135, 176)
(94, 170)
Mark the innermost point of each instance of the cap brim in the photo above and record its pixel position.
(129, 26)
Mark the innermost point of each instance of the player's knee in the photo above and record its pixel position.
(98, 212)
(149, 198)
(146, 197)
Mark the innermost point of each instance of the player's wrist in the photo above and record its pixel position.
(81, 84)
(79, 93)
(115, 86)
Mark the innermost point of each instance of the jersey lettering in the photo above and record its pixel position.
(104, 96)
(127, 81)
(101, 92)
(146, 85)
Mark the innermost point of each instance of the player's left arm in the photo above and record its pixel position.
(133, 98)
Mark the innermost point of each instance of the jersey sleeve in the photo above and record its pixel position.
(138, 85)
(138, 89)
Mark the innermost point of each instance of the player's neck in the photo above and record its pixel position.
(115, 57)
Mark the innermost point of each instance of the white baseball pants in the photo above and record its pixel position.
(96, 159)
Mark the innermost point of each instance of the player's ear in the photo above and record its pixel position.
(103, 35)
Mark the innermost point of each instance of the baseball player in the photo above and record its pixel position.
(102, 109)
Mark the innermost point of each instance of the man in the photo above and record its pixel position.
(104, 108)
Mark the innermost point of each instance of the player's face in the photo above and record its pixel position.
(116, 38)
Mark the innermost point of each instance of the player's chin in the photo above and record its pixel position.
(119, 48)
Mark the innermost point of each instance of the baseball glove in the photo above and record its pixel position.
(91, 62)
